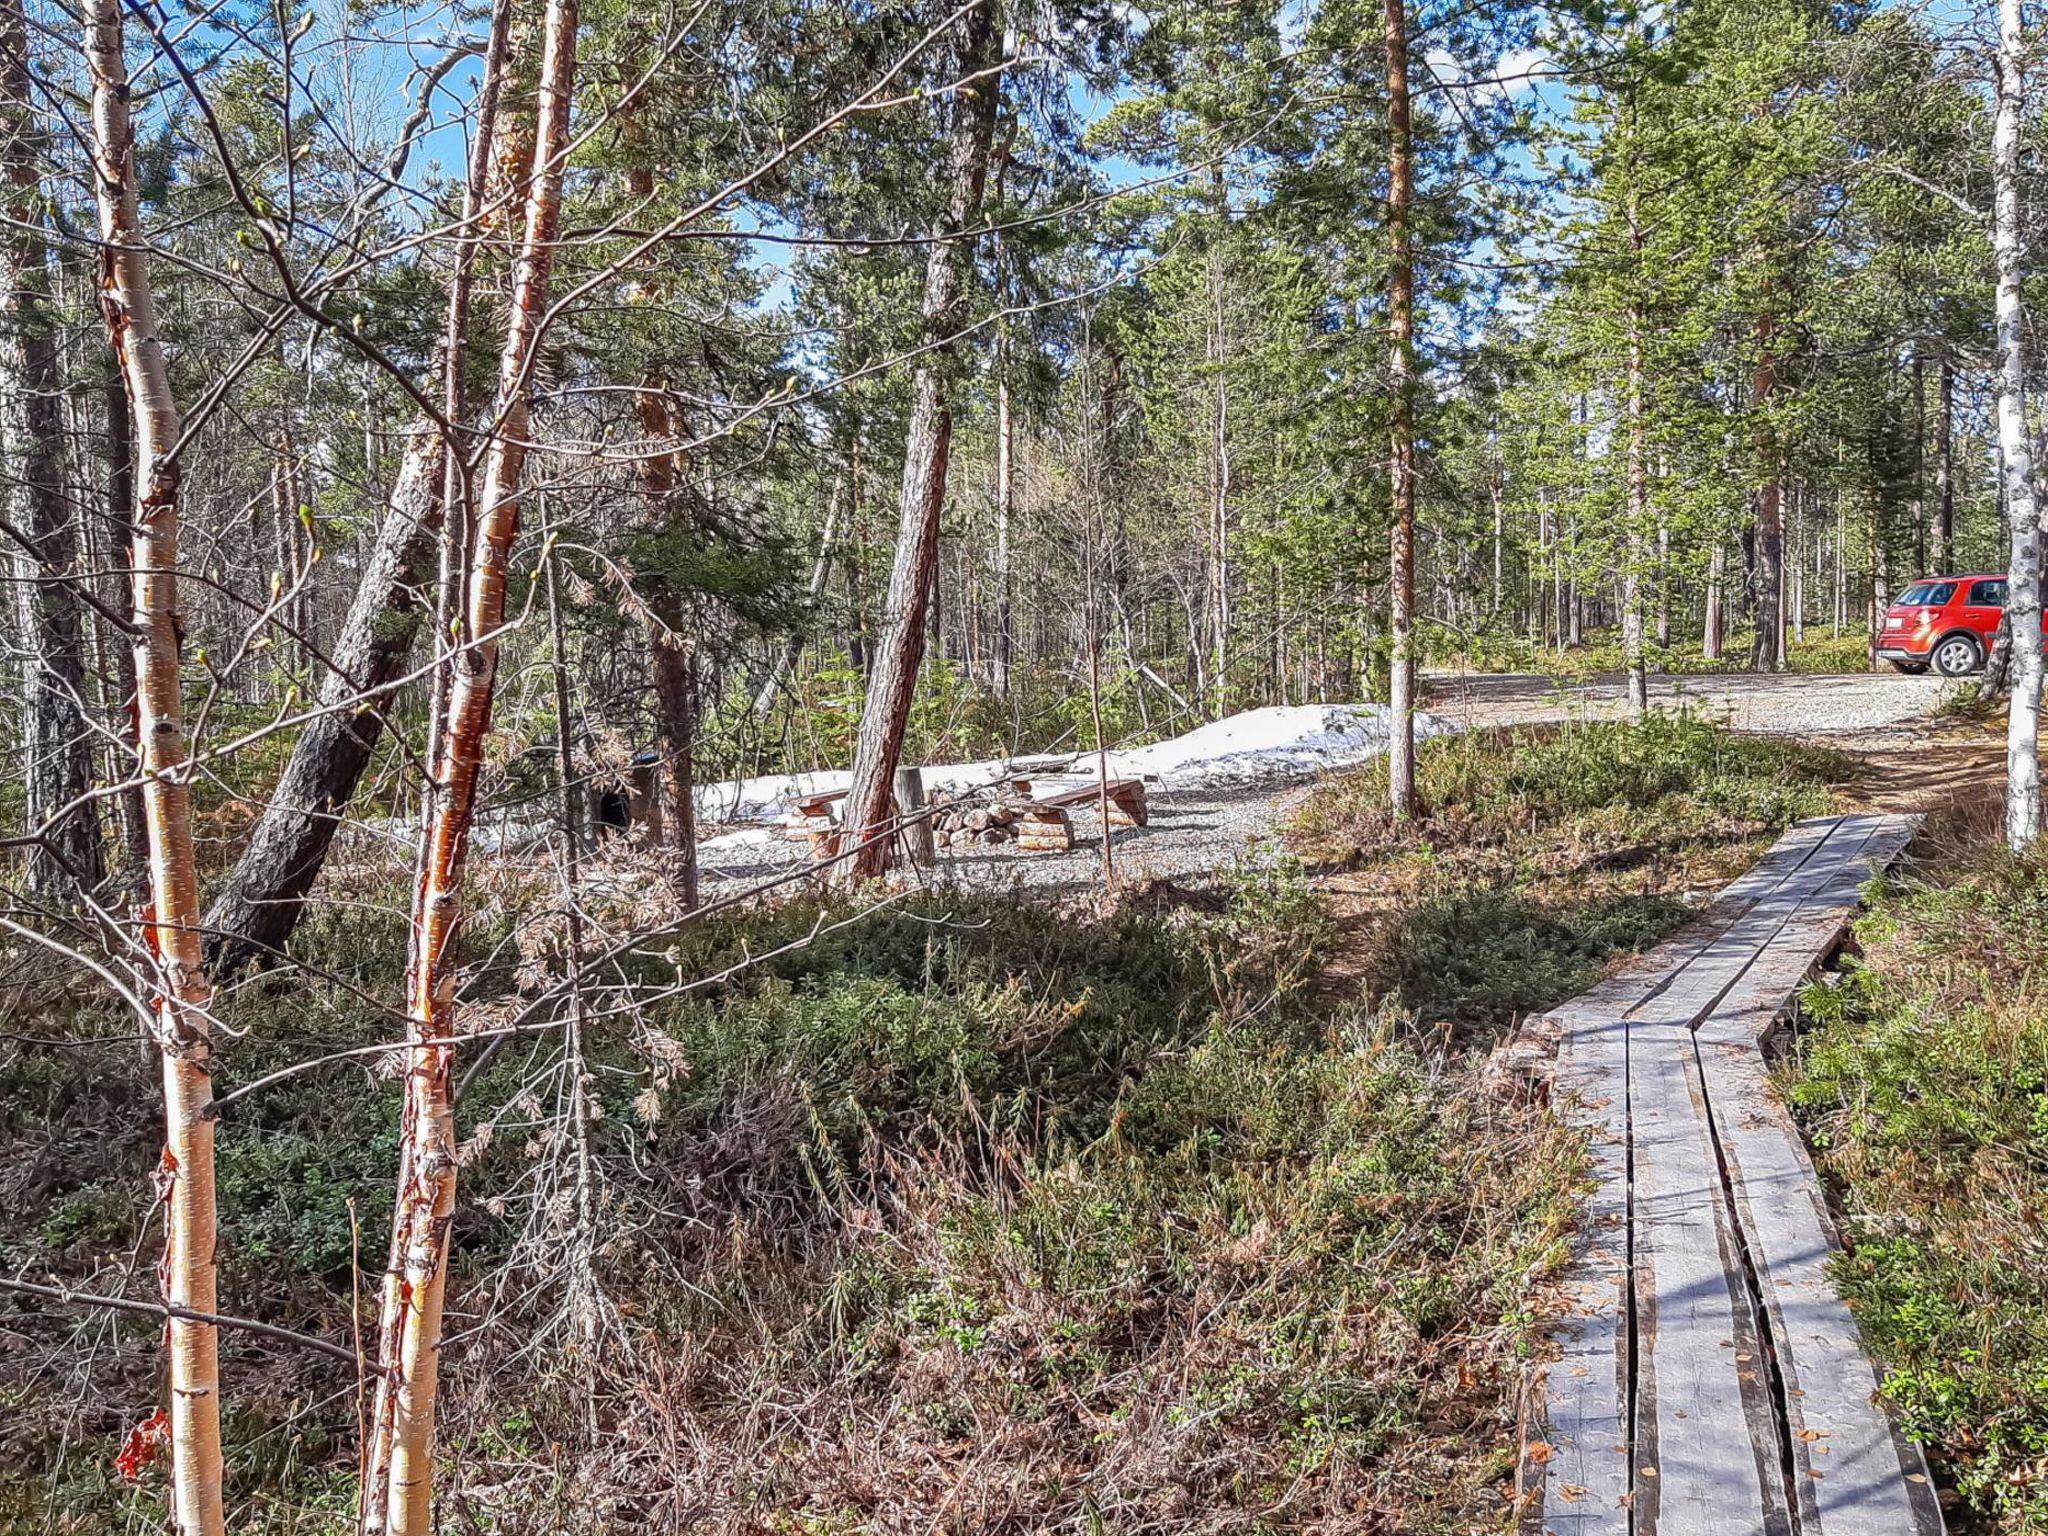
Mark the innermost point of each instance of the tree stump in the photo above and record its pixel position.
(914, 827)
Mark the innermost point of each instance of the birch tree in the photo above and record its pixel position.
(399, 1472)
(172, 923)
(2016, 461)
(1401, 381)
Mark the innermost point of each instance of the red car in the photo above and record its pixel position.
(1945, 622)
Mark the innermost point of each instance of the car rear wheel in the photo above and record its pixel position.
(1958, 656)
(1911, 668)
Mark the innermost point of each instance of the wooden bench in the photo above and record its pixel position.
(1126, 799)
(811, 815)
(1710, 1377)
(1046, 827)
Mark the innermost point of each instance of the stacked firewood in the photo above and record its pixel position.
(995, 821)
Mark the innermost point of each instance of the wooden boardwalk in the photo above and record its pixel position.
(1711, 1382)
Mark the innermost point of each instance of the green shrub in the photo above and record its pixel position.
(1923, 1081)
(1674, 775)
(1481, 952)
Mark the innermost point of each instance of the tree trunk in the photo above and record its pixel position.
(674, 675)
(671, 664)
(1997, 679)
(1663, 573)
(918, 840)
(1495, 491)
(258, 906)
(1767, 591)
(927, 449)
(1945, 468)
(1219, 467)
(172, 923)
(1841, 562)
(260, 903)
(1638, 484)
(403, 1437)
(1006, 477)
(1714, 633)
(56, 740)
(2023, 605)
(118, 702)
(1401, 378)
(1923, 544)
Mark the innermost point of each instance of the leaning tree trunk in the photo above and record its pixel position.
(172, 924)
(1997, 678)
(1401, 463)
(2023, 605)
(258, 906)
(927, 448)
(57, 743)
(402, 1459)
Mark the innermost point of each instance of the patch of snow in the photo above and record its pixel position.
(745, 837)
(1258, 749)
(1269, 748)
(771, 795)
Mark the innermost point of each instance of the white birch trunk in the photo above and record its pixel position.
(173, 925)
(2023, 729)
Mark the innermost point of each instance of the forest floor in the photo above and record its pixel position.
(1198, 834)
(1196, 1209)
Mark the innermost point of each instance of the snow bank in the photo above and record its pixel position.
(769, 796)
(1268, 748)
(1259, 749)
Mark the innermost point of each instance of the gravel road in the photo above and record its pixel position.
(1200, 834)
(1786, 704)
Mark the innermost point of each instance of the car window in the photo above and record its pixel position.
(1927, 594)
(1988, 594)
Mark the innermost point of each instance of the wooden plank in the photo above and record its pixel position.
(1853, 1474)
(1116, 789)
(1765, 990)
(1695, 990)
(1708, 1444)
(1706, 1437)
(1583, 1402)
(1641, 978)
(1580, 1484)
(1687, 1437)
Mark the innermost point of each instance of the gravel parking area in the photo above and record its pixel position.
(1792, 704)
(1199, 834)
